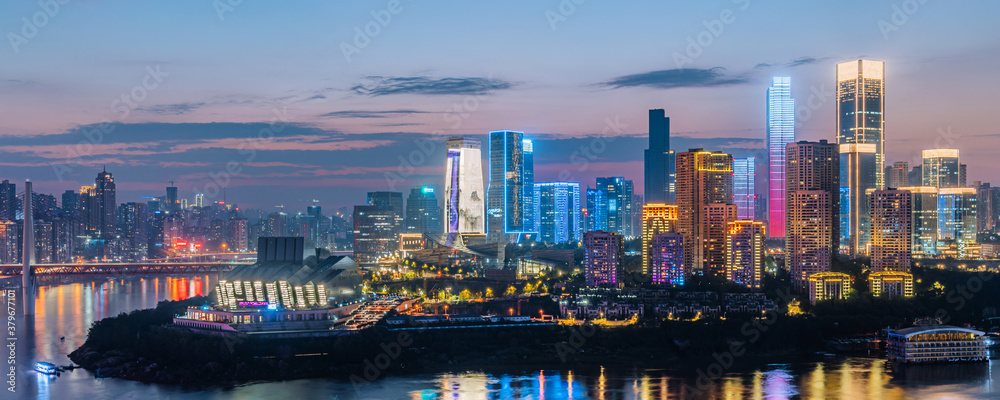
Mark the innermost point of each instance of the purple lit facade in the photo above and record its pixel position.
(667, 259)
(780, 132)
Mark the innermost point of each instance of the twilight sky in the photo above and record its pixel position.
(284, 102)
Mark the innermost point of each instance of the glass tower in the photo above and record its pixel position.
(557, 210)
(780, 132)
(860, 134)
(744, 194)
(464, 205)
(941, 168)
(508, 196)
(659, 160)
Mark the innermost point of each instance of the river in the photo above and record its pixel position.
(67, 310)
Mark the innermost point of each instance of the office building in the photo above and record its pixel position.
(714, 227)
(557, 210)
(70, 204)
(8, 201)
(529, 224)
(703, 178)
(828, 286)
(613, 205)
(103, 206)
(464, 194)
(659, 161)
(423, 215)
(923, 220)
(780, 132)
(892, 235)
(173, 204)
(597, 210)
(666, 258)
(603, 256)
(987, 207)
(957, 222)
(812, 187)
(393, 200)
(860, 133)
(238, 239)
(132, 231)
(941, 168)
(897, 175)
(376, 233)
(745, 253)
(509, 171)
(656, 218)
(744, 191)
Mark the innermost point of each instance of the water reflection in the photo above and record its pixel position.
(67, 310)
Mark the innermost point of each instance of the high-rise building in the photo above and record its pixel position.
(393, 200)
(961, 175)
(597, 210)
(238, 239)
(106, 205)
(199, 200)
(916, 176)
(506, 202)
(464, 197)
(659, 160)
(891, 244)
(744, 190)
(132, 231)
(615, 205)
(529, 223)
(376, 233)
(666, 255)
(603, 256)
(703, 178)
(985, 220)
(714, 227)
(173, 204)
(780, 132)
(941, 168)
(557, 211)
(656, 218)
(957, 222)
(860, 134)
(423, 215)
(70, 204)
(923, 220)
(812, 187)
(8, 201)
(897, 175)
(745, 253)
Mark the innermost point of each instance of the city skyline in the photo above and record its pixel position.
(192, 124)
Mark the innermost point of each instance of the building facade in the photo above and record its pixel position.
(508, 191)
(376, 233)
(603, 255)
(659, 161)
(941, 168)
(557, 212)
(656, 218)
(744, 190)
(780, 132)
(464, 194)
(422, 211)
(703, 178)
(745, 253)
(666, 258)
(892, 234)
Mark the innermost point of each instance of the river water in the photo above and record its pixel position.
(67, 310)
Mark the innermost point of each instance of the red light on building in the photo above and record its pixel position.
(197, 245)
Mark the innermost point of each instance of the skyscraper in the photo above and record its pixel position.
(464, 197)
(173, 204)
(891, 230)
(659, 161)
(603, 255)
(70, 204)
(506, 203)
(557, 211)
(422, 211)
(985, 221)
(860, 134)
(656, 218)
(897, 175)
(812, 190)
(714, 227)
(615, 206)
(780, 132)
(941, 168)
(666, 258)
(199, 200)
(8, 201)
(107, 206)
(376, 233)
(956, 222)
(745, 253)
(597, 210)
(529, 223)
(923, 220)
(744, 191)
(393, 200)
(132, 228)
(703, 178)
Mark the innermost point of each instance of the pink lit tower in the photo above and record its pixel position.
(780, 132)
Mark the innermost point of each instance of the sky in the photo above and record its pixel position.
(283, 103)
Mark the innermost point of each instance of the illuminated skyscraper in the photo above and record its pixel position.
(376, 233)
(199, 200)
(923, 220)
(780, 132)
(860, 134)
(666, 258)
(603, 256)
(464, 197)
(812, 194)
(597, 210)
(656, 218)
(557, 210)
(891, 230)
(957, 222)
(745, 253)
(423, 215)
(715, 220)
(659, 161)
(703, 178)
(173, 203)
(985, 201)
(529, 223)
(8, 201)
(508, 193)
(612, 205)
(941, 168)
(744, 192)
(106, 205)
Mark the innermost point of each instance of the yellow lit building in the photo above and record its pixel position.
(745, 253)
(828, 286)
(892, 283)
(656, 218)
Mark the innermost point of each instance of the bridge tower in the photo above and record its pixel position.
(27, 254)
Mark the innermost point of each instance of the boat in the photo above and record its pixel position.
(46, 368)
(932, 344)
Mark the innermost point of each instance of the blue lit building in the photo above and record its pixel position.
(780, 132)
(612, 206)
(744, 192)
(659, 161)
(508, 194)
(557, 210)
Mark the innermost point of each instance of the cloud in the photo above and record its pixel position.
(805, 61)
(172, 109)
(677, 78)
(316, 97)
(381, 86)
(369, 113)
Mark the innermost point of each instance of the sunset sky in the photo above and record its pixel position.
(281, 105)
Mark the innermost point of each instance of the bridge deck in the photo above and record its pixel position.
(9, 270)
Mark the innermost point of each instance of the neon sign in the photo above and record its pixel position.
(252, 303)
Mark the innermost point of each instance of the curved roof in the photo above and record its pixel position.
(918, 330)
